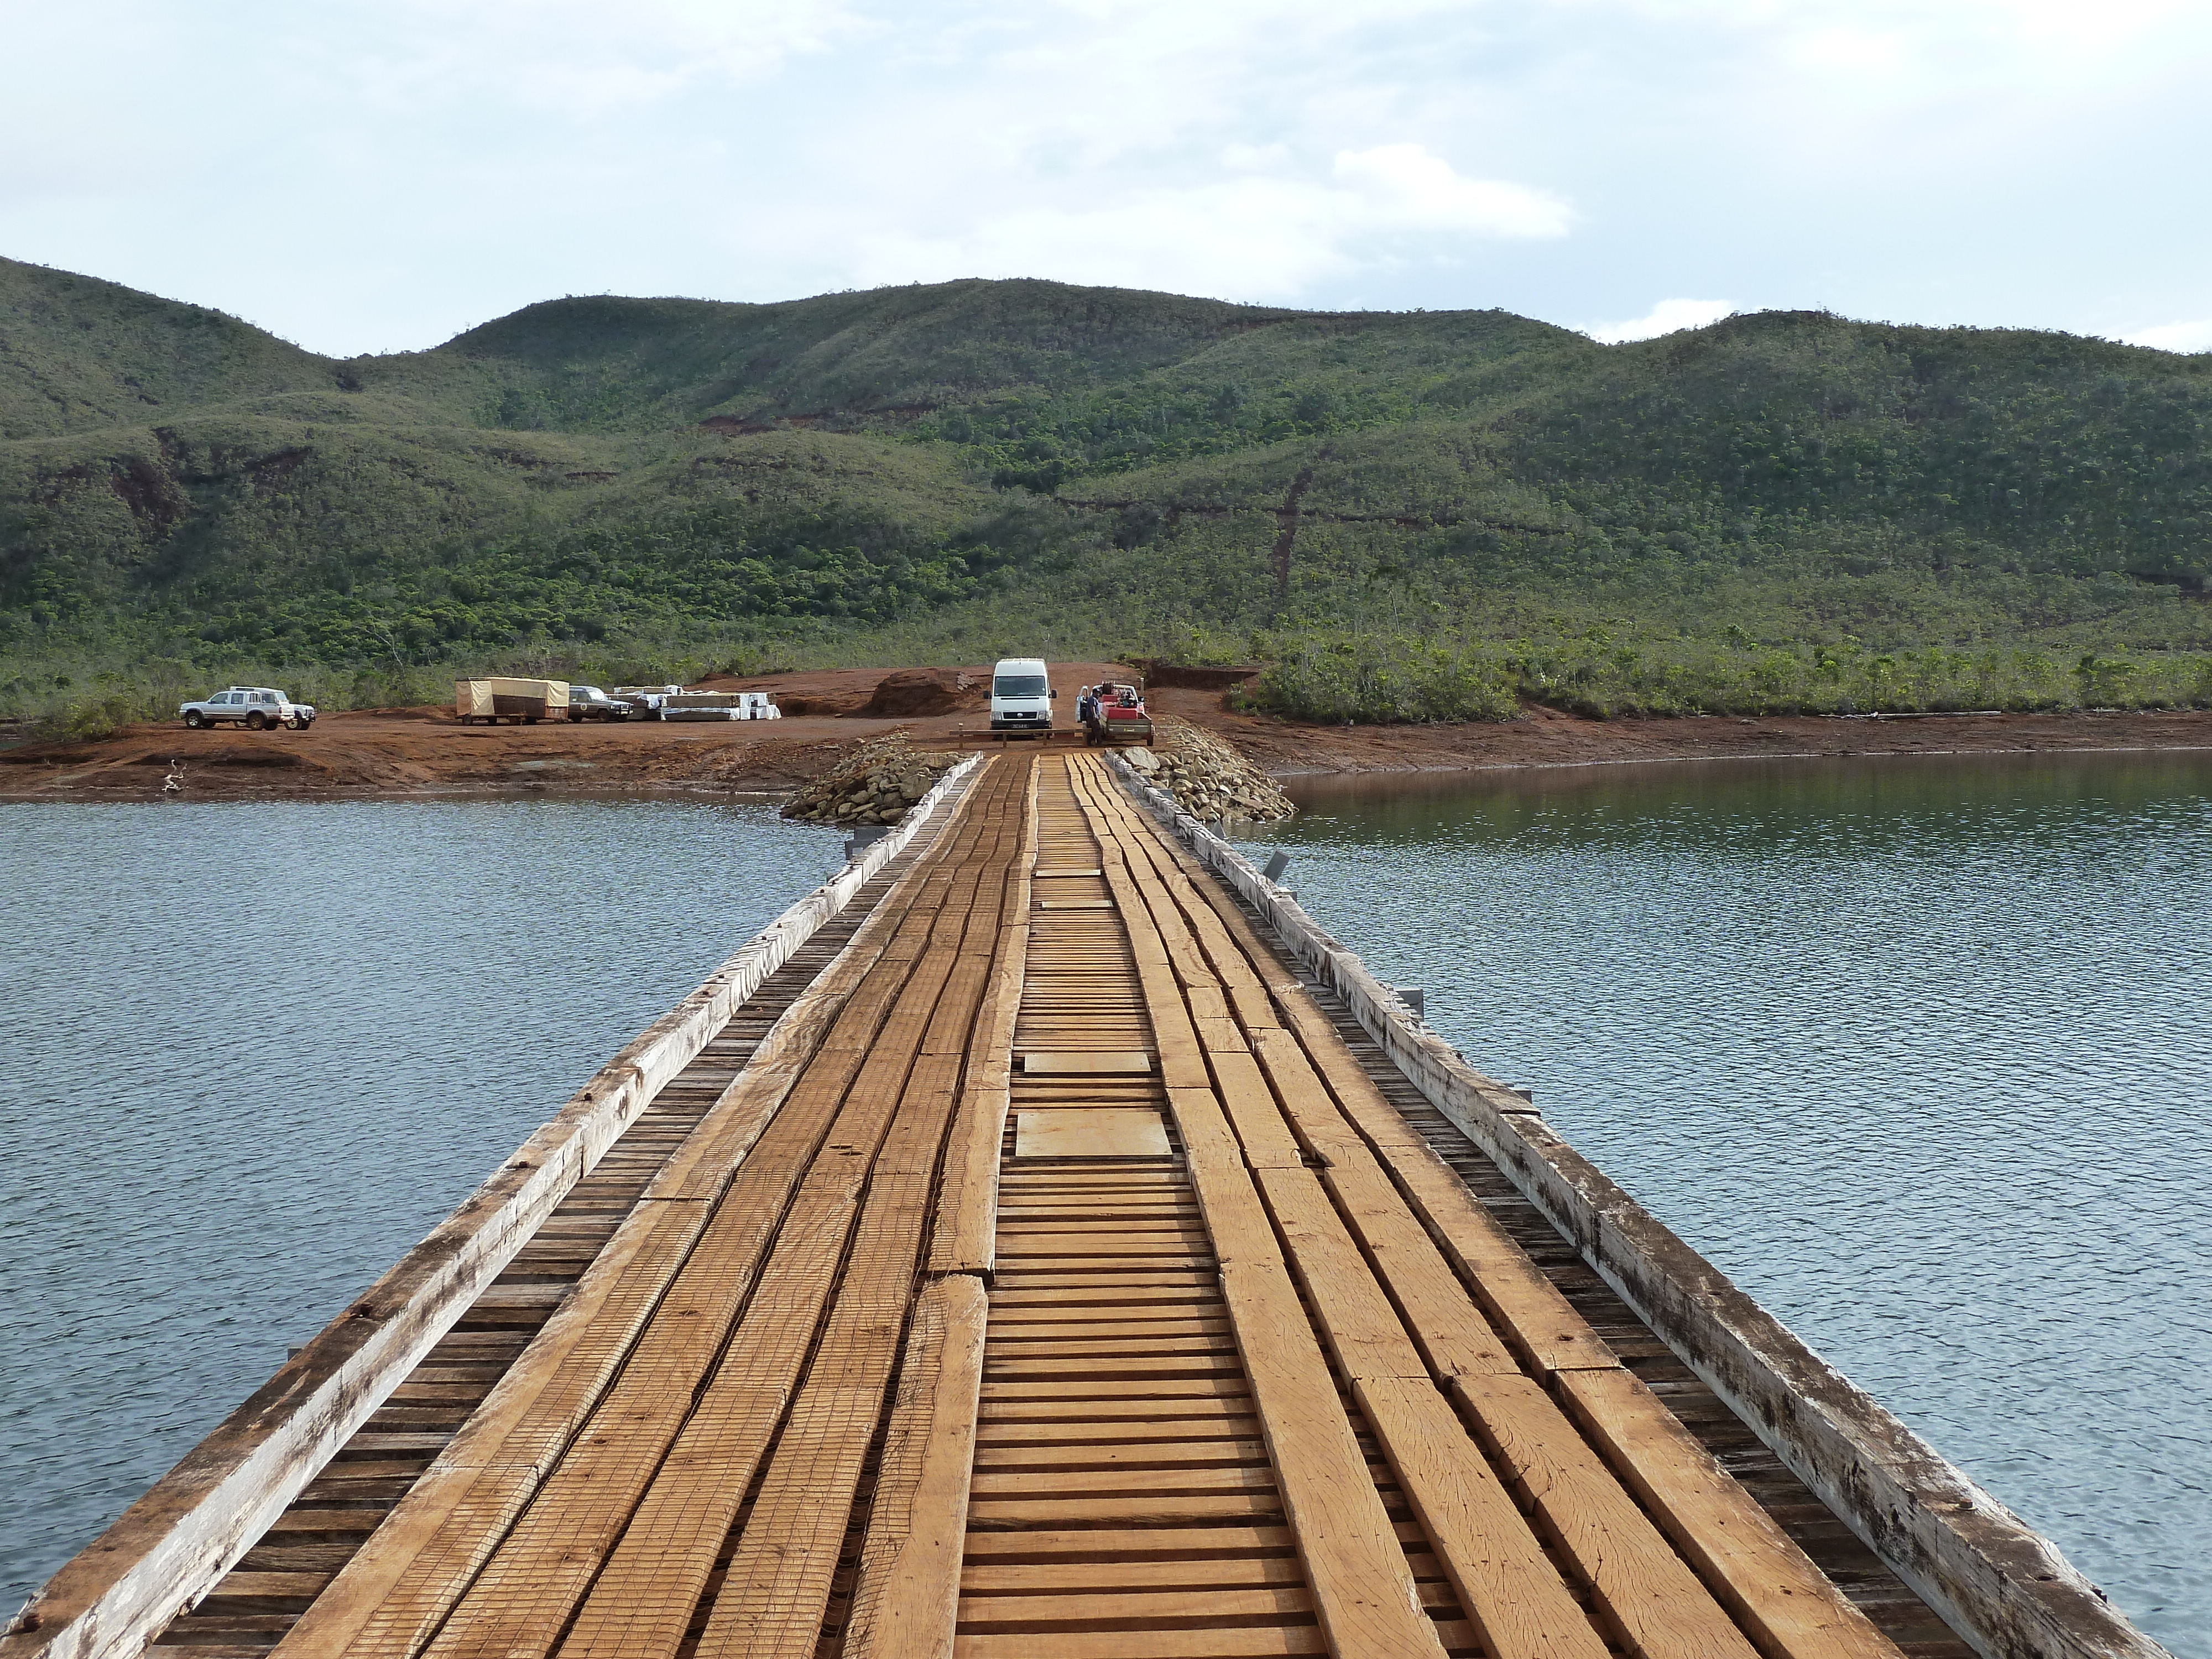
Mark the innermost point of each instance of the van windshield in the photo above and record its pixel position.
(1019, 685)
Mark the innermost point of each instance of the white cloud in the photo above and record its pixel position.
(579, 57)
(1251, 235)
(1403, 187)
(396, 169)
(1667, 317)
(2176, 337)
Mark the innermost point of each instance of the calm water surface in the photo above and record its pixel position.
(250, 1053)
(1918, 1050)
(1915, 1050)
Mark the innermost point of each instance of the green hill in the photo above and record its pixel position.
(1415, 514)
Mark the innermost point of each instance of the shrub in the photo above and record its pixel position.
(1390, 679)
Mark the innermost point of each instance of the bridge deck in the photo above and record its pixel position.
(1039, 1267)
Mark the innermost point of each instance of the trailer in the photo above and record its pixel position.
(501, 697)
(1114, 712)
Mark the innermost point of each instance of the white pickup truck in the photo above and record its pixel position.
(257, 708)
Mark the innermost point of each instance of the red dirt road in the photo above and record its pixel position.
(426, 752)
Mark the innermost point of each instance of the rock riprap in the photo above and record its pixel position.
(1207, 776)
(877, 782)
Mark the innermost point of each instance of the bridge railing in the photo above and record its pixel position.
(172, 1545)
(2003, 1586)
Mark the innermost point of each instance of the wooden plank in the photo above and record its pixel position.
(543, 1568)
(779, 1580)
(1172, 1320)
(907, 1592)
(1003, 1437)
(1528, 1310)
(1256, 1642)
(778, 1583)
(1195, 1570)
(1513, 1593)
(1978, 1566)
(1258, 1480)
(1091, 1132)
(1086, 1062)
(967, 1208)
(395, 1592)
(1641, 1584)
(1788, 1606)
(1808, 1598)
(1151, 1409)
(168, 1547)
(1454, 1336)
(1065, 1452)
(239, 1585)
(1363, 1596)
(1153, 1611)
(1000, 1514)
(1106, 1544)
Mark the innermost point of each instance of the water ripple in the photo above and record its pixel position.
(253, 1051)
(1917, 1051)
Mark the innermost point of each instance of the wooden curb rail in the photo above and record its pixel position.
(2001, 1585)
(1417, 1219)
(171, 1546)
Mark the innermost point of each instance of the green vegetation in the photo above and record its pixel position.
(1424, 516)
(1400, 678)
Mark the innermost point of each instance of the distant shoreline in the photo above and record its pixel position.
(423, 753)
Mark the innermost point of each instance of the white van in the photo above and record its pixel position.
(1021, 696)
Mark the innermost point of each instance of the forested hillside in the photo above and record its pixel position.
(1413, 515)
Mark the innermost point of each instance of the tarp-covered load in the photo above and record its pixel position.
(503, 697)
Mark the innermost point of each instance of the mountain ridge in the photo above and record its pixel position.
(866, 471)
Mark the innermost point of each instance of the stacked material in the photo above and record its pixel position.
(718, 706)
(505, 697)
(1207, 776)
(873, 783)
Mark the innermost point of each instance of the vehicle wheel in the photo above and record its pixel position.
(257, 721)
(530, 720)
(194, 719)
(575, 717)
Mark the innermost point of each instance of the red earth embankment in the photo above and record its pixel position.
(418, 752)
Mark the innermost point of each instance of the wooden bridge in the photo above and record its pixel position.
(1035, 1253)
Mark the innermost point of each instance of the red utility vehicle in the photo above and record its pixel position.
(1113, 713)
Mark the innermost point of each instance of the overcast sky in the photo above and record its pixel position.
(364, 177)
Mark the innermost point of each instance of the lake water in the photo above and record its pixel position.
(249, 1054)
(1915, 1050)
(1918, 1050)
